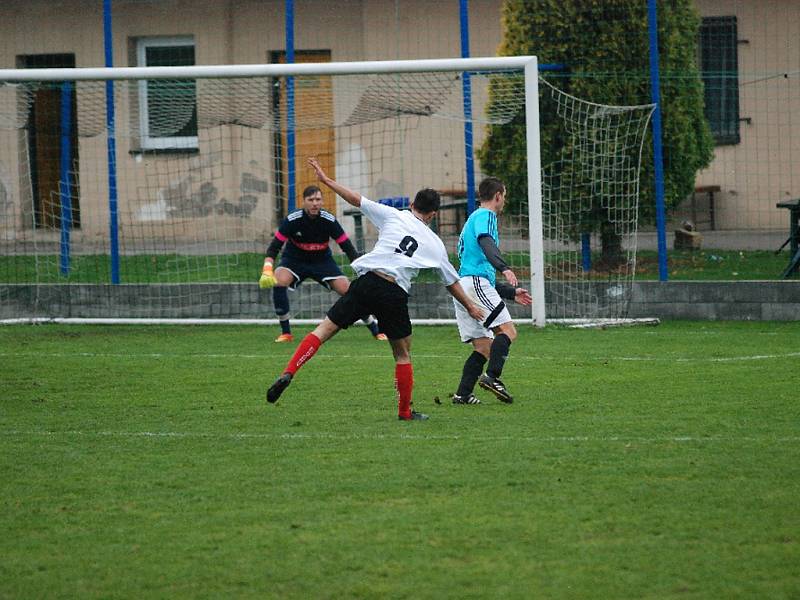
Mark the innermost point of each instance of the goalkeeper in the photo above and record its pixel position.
(307, 256)
(479, 253)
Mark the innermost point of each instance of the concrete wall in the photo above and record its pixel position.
(719, 300)
(747, 300)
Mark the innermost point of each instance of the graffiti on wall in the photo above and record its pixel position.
(191, 197)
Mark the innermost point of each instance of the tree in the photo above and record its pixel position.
(604, 45)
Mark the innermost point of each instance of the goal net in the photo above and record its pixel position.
(152, 193)
(590, 187)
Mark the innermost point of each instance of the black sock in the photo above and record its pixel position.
(473, 367)
(280, 298)
(498, 353)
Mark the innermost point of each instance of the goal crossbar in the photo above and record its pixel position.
(503, 63)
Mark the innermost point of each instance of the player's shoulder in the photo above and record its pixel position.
(327, 216)
(293, 216)
(429, 234)
(482, 216)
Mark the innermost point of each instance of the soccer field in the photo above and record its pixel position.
(652, 462)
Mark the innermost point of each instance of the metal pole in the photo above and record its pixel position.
(586, 252)
(535, 216)
(290, 124)
(658, 160)
(466, 84)
(64, 176)
(493, 63)
(111, 145)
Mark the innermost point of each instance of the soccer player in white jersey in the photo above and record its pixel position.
(405, 245)
(491, 337)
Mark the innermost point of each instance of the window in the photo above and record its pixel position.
(167, 107)
(720, 71)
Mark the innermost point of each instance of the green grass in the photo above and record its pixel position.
(659, 462)
(714, 265)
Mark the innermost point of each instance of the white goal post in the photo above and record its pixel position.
(180, 228)
(373, 67)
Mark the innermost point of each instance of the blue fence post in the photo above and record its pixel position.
(586, 251)
(111, 148)
(64, 190)
(658, 160)
(466, 85)
(290, 139)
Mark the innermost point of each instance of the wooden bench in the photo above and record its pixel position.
(793, 206)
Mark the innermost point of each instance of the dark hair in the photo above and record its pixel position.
(489, 187)
(310, 191)
(427, 201)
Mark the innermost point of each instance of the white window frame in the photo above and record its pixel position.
(160, 143)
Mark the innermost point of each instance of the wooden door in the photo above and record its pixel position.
(314, 133)
(44, 130)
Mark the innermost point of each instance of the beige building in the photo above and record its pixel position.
(755, 164)
(216, 170)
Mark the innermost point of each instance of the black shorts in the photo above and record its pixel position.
(321, 271)
(373, 295)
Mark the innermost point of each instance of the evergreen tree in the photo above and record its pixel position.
(605, 47)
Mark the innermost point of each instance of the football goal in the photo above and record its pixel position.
(151, 193)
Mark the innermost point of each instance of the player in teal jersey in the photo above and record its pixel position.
(479, 253)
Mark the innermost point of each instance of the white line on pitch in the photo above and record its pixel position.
(710, 358)
(382, 356)
(387, 436)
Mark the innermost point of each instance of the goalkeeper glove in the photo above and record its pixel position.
(267, 279)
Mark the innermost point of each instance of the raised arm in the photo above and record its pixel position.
(349, 195)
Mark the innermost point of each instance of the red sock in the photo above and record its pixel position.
(404, 382)
(307, 348)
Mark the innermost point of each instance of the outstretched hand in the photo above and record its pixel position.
(523, 297)
(347, 194)
(314, 164)
(510, 277)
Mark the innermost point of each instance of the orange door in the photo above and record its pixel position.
(314, 135)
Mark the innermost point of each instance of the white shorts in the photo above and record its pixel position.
(482, 293)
